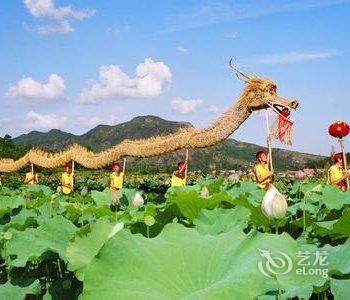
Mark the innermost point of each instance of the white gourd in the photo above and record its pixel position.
(274, 204)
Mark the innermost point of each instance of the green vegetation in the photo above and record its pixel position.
(180, 243)
(9, 150)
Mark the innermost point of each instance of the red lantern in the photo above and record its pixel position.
(339, 129)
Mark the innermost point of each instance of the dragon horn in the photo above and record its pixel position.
(238, 72)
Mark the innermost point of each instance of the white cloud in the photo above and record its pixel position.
(231, 35)
(181, 49)
(43, 121)
(150, 80)
(292, 57)
(31, 121)
(62, 27)
(214, 109)
(29, 89)
(58, 16)
(184, 106)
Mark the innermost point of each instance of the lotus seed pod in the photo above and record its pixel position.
(149, 220)
(7, 235)
(138, 200)
(274, 205)
(205, 192)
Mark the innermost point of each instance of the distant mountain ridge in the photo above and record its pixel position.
(229, 154)
(102, 136)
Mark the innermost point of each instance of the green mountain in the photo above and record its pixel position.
(228, 155)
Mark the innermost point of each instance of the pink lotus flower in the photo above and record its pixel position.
(138, 200)
(299, 175)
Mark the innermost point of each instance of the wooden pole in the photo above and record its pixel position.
(124, 168)
(32, 168)
(341, 142)
(268, 140)
(186, 160)
(124, 165)
(73, 165)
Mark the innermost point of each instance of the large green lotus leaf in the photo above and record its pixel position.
(333, 198)
(14, 292)
(8, 203)
(335, 228)
(252, 202)
(309, 220)
(340, 289)
(189, 202)
(52, 235)
(84, 248)
(304, 205)
(37, 189)
(339, 258)
(24, 219)
(73, 211)
(305, 188)
(213, 185)
(248, 191)
(47, 210)
(182, 263)
(221, 220)
(102, 198)
(97, 212)
(5, 191)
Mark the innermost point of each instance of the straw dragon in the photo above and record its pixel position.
(259, 93)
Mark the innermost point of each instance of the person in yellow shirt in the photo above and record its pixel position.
(67, 179)
(31, 176)
(263, 175)
(336, 173)
(116, 178)
(179, 176)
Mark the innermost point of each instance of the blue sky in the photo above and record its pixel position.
(75, 64)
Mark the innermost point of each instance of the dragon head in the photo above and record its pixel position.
(261, 93)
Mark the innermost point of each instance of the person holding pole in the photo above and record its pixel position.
(32, 176)
(117, 177)
(179, 175)
(263, 175)
(67, 179)
(337, 174)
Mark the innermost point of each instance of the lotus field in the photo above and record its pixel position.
(209, 240)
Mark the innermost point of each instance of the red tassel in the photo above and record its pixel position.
(283, 130)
